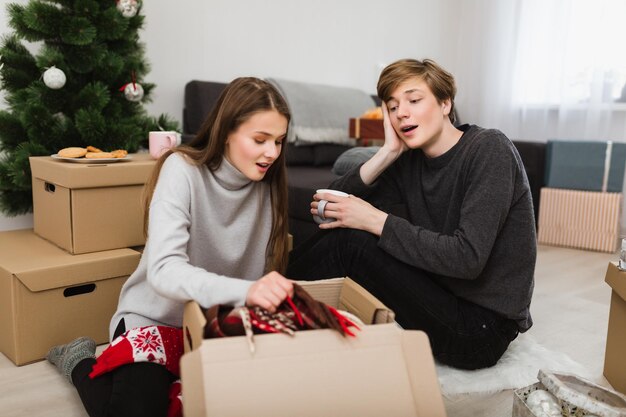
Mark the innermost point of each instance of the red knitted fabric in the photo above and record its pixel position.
(158, 344)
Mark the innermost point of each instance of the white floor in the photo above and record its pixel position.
(570, 309)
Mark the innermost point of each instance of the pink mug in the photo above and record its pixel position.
(160, 141)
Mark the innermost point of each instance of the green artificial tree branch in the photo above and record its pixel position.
(99, 52)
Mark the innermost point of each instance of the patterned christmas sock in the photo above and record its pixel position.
(66, 357)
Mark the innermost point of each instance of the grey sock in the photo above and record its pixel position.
(66, 357)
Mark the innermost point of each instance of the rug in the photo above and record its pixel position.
(517, 368)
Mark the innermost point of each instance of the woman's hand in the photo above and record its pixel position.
(393, 143)
(351, 212)
(269, 291)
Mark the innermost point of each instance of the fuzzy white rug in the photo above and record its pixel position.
(517, 368)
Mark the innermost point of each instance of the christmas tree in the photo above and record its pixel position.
(83, 87)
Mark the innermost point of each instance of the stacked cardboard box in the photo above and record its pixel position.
(49, 297)
(582, 203)
(63, 279)
(90, 207)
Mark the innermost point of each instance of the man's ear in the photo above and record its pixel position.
(445, 105)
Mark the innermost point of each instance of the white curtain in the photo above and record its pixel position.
(543, 69)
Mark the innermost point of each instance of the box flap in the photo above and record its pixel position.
(40, 265)
(359, 301)
(71, 175)
(616, 279)
(416, 347)
(346, 294)
(325, 290)
(367, 375)
(193, 326)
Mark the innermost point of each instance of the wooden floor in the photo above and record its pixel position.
(570, 309)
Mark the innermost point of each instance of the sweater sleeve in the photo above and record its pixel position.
(489, 174)
(168, 267)
(383, 193)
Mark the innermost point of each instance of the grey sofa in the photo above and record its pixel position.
(310, 167)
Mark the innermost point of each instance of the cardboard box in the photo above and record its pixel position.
(382, 371)
(580, 219)
(615, 355)
(369, 132)
(49, 297)
(90, 207)
(575, 396)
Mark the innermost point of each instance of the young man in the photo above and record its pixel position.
(439, 224)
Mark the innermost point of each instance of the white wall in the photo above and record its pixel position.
(343, 43)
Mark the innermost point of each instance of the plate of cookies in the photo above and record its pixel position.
(90, 155)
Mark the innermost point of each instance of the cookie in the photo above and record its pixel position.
(98, 155)
(73, 152)
(119, 153)
(93, 149)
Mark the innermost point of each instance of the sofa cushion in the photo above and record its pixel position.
(303, 181)
(200, 98)
(299, 155)
(353, 157)
(327, 154)
(533, 156)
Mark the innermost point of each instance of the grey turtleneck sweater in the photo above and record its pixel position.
(207, 240)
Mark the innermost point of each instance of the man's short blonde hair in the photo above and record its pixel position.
(440, 81)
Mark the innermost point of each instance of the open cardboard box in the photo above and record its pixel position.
(615, 355)
(384, 370)
(90, 207)
(49, 297)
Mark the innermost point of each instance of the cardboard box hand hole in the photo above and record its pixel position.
(78, 290)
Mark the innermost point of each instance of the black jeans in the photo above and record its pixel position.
(136, 389)
(462, 334)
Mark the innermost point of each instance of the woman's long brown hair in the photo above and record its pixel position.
(241, 99)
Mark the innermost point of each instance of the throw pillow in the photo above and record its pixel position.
(352, 158)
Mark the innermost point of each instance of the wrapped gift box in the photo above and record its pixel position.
(585, 165)
(368, 132)
(579, 219)
(575, 397)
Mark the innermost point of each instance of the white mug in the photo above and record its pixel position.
(321, 205)
(161, 141)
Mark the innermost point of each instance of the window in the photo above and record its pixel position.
(571, 52)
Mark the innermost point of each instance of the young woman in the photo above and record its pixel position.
(439, 223)
(216, 218)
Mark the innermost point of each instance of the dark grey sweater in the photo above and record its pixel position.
(465, 216)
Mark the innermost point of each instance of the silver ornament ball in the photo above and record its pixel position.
(128, 8)
(54, 78)
(133, 92)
